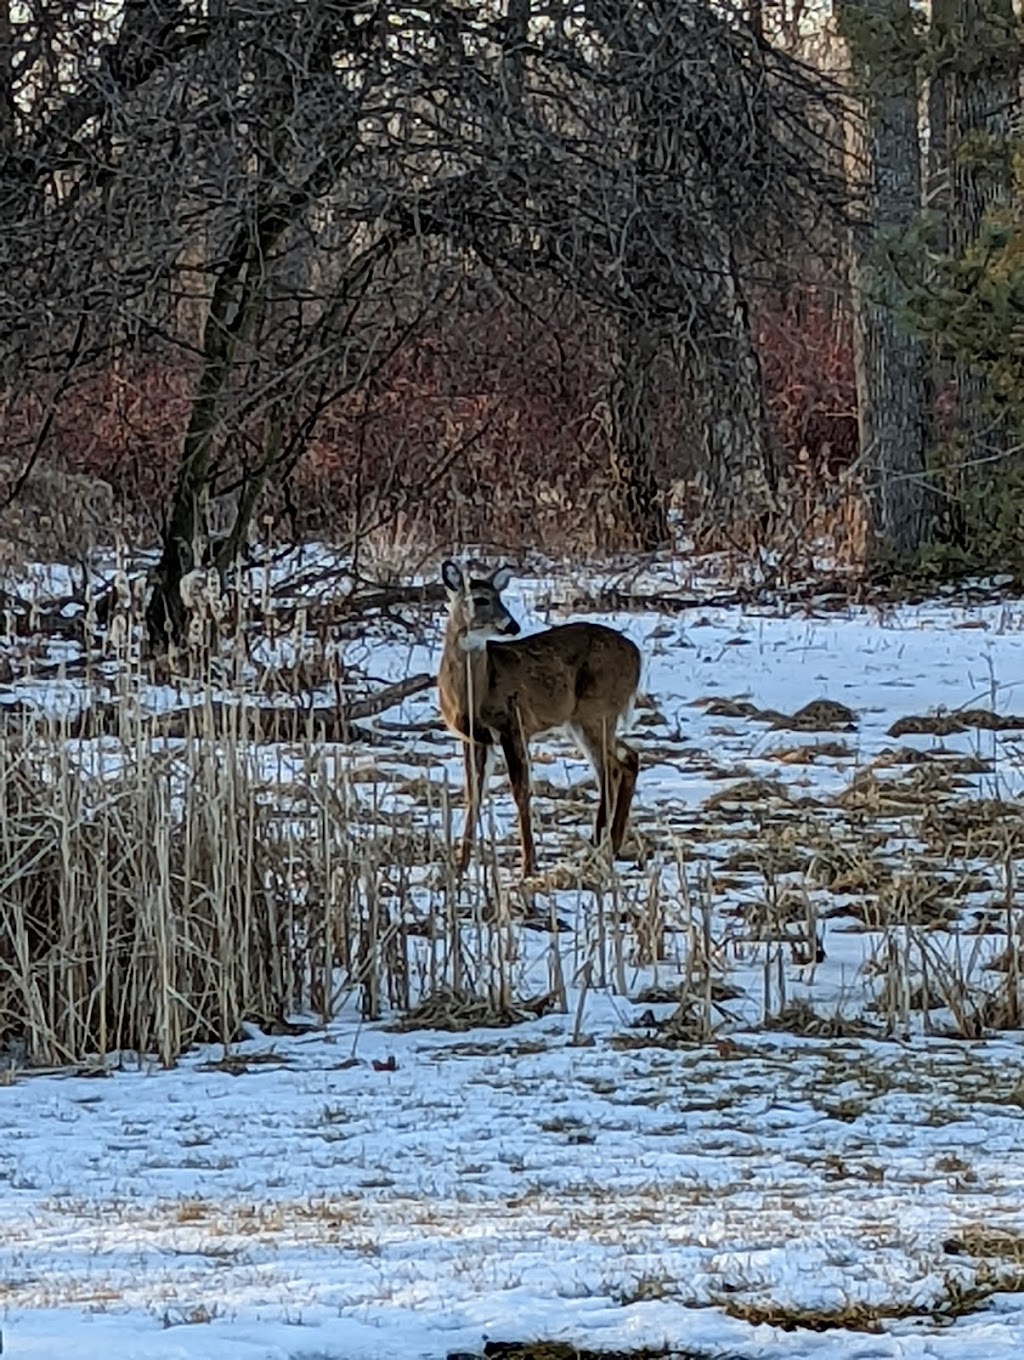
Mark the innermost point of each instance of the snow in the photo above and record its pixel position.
(299, 1203)
(309, 1207)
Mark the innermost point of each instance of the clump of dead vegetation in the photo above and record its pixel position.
(956, 1299)
(562, 1350)
(250, 846)
(50, 515)
(456, 1013)
(150, 898)
(820, 715)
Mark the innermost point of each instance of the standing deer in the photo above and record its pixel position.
(581, 677)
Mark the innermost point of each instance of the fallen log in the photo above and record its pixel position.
(261, 723)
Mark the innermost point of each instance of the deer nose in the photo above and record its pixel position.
(512, 627)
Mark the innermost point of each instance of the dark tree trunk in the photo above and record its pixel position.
(640, 504)
(980, 89)
(937, 203)
(237, 297)
(693, 306)
(891, 362)
(723, 373)
(983, 92)
(6, 78)
(891, 372)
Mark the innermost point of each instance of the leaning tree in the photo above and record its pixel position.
(280, 197)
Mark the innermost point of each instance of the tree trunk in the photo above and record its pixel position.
(983, 84)
(234, 307)
(639, 501)
(239, 297)
(937, 203)
(6, 79)
(697, 307)
(890, 372)
(981, 89)
(891, 362)
(738, 478)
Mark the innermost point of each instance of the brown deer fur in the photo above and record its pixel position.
(581, 677)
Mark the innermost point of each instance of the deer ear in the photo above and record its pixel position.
(451, 575)
(501, 578)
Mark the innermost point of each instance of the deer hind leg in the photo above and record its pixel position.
(518, 762)
(629, 766)
(594, 740)
(476, 756)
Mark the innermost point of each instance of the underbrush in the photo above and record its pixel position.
(219, 840)
(493, 422)
(196, 844)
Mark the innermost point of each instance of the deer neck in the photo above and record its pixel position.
(463, 675)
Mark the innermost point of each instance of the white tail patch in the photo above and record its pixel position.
(627, 718)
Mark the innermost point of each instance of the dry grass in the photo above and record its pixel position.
(137, 911)
(994, 1244)
(955, 1300)
(561, 1350)
(447, 1010)
(170, 877)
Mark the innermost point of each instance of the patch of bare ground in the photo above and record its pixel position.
(997, 1244)
(800, 1017)
(456, 1012)
(955, 1300)
(561, 1350)
(961, 720)
(820, 715)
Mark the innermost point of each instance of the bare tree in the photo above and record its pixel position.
(661, 151)
(276, 199)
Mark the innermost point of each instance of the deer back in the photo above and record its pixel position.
(579, 674)
(576, 675)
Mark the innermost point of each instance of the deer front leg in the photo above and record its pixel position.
(517, 760)
(629, 763)
(475, 753)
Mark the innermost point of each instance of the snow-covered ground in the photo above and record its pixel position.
(305, 1202)
(506, 1187)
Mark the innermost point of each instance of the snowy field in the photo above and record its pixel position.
(837, 1172)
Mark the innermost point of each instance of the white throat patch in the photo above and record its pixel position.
(471, 641)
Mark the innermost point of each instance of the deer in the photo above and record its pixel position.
(497, 688)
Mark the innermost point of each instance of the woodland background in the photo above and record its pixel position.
(523, 274)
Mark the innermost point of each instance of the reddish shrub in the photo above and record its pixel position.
(805, 340)
(492, 426)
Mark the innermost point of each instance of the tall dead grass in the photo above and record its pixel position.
(172, 870)
(176, 866)
(142, 903)
(159, 883)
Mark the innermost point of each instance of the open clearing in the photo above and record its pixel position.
(838, 1171)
